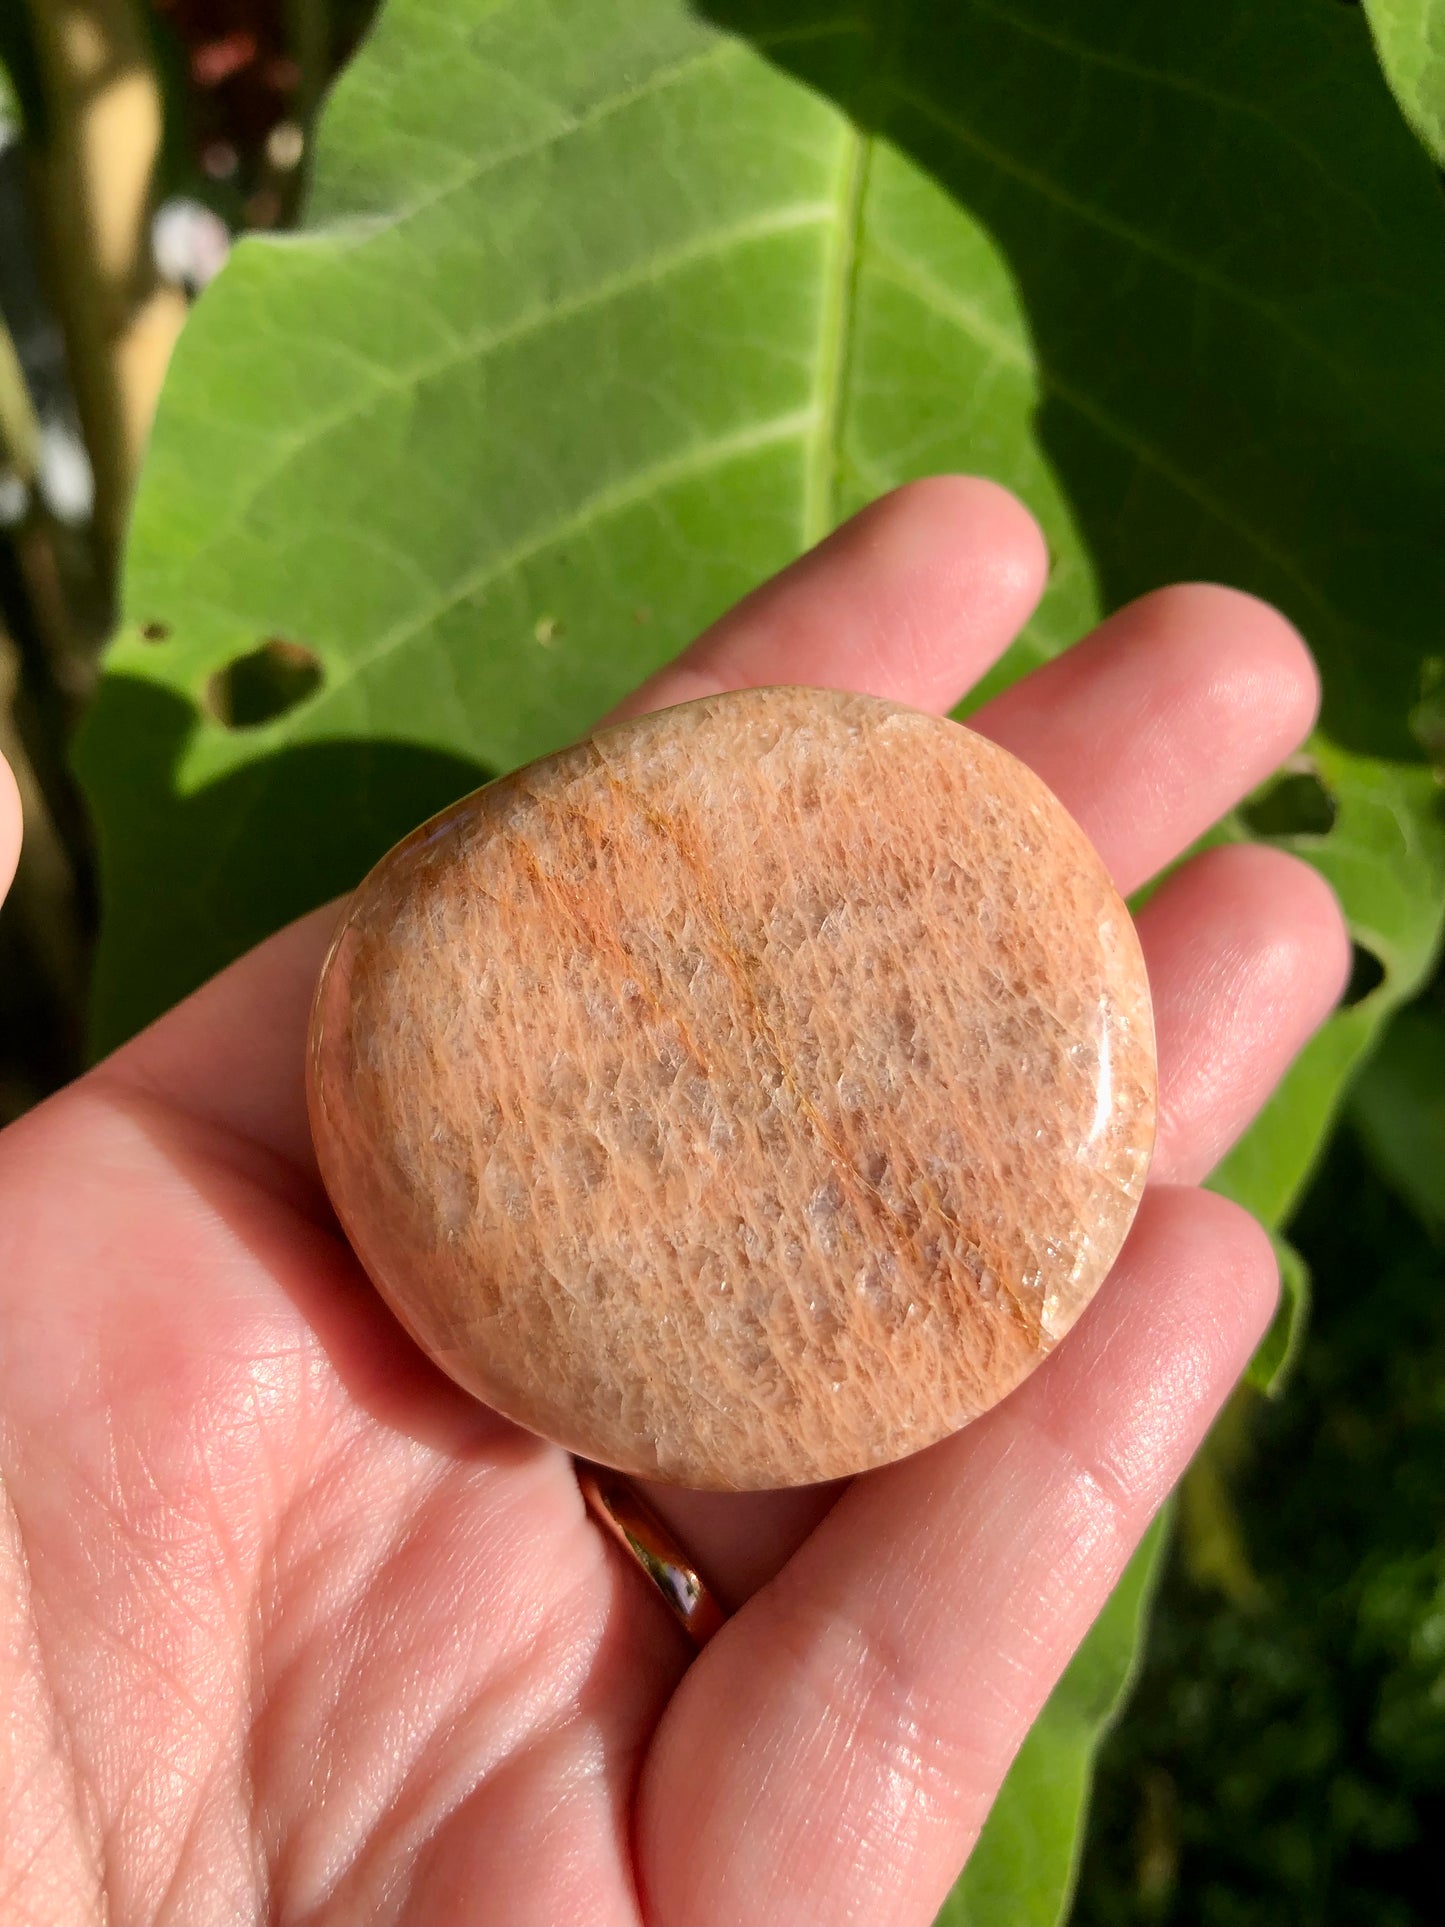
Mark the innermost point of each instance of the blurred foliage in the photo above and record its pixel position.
(237, 81)
(597, 316)
(1283, 1761)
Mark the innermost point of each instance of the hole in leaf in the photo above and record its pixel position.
(1367, 973)
(1296, 803)
(156, 631)
(264, 684)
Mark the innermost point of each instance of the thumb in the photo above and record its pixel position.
(9, 827)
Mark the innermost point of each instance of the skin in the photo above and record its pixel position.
(294, 1631)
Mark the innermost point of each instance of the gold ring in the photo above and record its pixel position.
(631, 1521)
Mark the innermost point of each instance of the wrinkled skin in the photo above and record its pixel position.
(295, 1631)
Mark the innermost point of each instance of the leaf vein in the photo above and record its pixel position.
(382, 384)
(1138, 238)
(610, 500)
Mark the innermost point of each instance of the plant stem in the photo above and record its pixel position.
(19, 430)
(103, 111)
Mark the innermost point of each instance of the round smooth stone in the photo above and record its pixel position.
(751, 1094)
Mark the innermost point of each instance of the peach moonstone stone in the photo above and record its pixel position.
(752, 1093)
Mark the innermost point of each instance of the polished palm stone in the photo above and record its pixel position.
(752, 1093)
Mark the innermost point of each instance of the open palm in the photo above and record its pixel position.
(294, 1631)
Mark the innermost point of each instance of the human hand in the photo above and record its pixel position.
(297, 1631)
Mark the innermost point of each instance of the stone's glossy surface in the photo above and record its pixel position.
(749, 1095)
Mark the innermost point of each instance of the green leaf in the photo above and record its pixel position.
(1385, 857)
(1026, 1861)
(1270, 1368)
(1398, 1107)
(1410, 36)
(603, 312)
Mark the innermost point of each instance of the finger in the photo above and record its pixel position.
(9, 827)
(880, 1686)
(1161, 720)
(912, 599)
(1248, 954)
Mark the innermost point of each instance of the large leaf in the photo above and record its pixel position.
(1410, 35)
(603, 312)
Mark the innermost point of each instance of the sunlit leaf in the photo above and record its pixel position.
(1410, 35)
